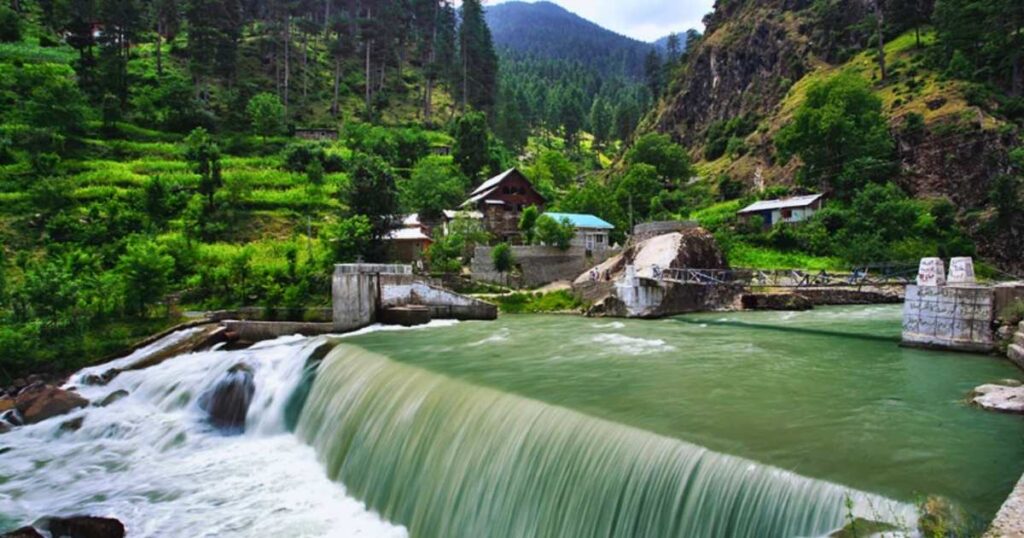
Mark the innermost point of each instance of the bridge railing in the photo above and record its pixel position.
(788, 278)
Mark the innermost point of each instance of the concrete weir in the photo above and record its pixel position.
(368, 293)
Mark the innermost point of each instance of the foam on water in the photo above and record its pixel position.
(152, 461)
(631, 345)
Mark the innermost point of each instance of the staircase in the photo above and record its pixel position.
(1016, 349)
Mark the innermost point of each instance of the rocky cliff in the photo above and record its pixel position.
(759, 57)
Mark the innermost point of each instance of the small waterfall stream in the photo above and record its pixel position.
(153, 460)
(447, 458)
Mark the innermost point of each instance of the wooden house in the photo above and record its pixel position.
(501, 200)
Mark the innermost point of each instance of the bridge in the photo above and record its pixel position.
(887, 275)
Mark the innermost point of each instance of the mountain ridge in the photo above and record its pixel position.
(548, 31)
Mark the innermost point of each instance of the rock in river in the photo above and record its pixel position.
(111, 398)
(40, 402)
(72, 527)
(999, 398)
(227, 402)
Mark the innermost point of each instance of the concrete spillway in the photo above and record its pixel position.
(361, 293)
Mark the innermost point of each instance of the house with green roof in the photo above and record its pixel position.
(592, 233)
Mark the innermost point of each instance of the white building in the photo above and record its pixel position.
(796, 209)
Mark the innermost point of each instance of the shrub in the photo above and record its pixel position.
(1014, 313)
(10, 25)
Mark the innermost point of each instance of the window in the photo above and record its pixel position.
(787, 214)
(600, 239)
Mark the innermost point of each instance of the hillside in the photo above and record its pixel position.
(954, 136)
(562, 73)
(544, 30)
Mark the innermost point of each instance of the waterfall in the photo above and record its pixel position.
(447, 458)
(153, 459)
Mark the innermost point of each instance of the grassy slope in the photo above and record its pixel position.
(272, 203)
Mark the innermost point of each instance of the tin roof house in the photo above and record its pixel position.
(592, 233)
(788, 210)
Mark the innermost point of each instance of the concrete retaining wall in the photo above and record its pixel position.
(647, 230)
(258, 331)
(402, 290)
(949, 317)
(539, 265)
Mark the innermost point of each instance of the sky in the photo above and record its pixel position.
(645, 20)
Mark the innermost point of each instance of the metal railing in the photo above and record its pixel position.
(878, 276)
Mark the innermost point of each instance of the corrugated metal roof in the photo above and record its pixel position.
(408, 234)
(477, 197)
(491, 183)
(786, 203)
(582, 221)
(451, 214)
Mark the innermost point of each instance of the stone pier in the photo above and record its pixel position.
(954, 313)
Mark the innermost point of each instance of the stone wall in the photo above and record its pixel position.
(949, 317)
(539, 265)
(647, 230)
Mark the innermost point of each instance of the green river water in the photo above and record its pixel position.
(826, 394)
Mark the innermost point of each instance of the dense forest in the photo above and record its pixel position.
(565, 74)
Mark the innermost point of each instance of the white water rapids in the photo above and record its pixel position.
(152, 461)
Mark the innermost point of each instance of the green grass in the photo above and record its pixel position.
(717, 215)
(538, 303)
(742, 255)
(24, 52)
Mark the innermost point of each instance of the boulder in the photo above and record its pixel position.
(24, 532)
(227, 402)
(999, 398)
(72, 425)
(776, 301)
(37, 403)
(631, 285)
(4, 427)
(6, 404)
(82, 527)
(862, 528)
(111, 398)
(12, 417)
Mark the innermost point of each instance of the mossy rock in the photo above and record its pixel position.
(862, 528)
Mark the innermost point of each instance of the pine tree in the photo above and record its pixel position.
(479, 62)
(166, 19)
(653, 72)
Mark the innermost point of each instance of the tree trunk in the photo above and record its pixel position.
(368, 76)
(327, 17)
(287, 59)
(337, 84)
(305, 66)
(465, 77)
(880, 20)
(1017, 86)
(159, 50)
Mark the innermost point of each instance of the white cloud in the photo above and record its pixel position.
(646, 20)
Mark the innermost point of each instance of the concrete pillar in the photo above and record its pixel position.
(355, 291)
(961, 272)
(931, 272)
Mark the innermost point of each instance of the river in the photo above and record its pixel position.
(745, 424)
